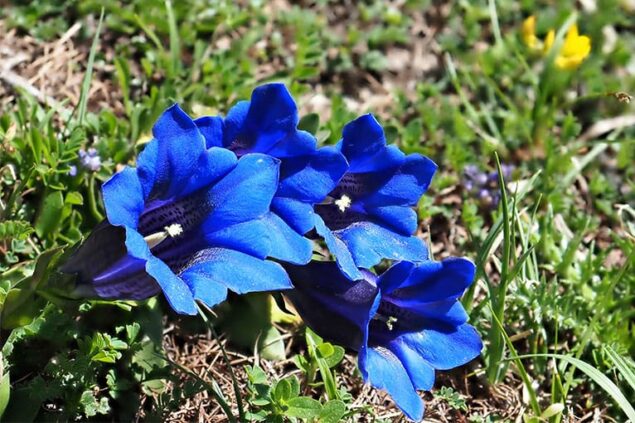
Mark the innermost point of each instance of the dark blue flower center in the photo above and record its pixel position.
(356, 185)
(342, 207)
(188, 213)
(335, 218)
(392, 320)
(240, 146)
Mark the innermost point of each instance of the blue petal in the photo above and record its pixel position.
(123, 198)
(369, 243)
(443, 349)
(446, 312)
(146, 168)
(205, 288)
(339, 249)
(407, 185)
(364, 145)
(362, 138)
(272, 108)
(296, 143)
(402, 219)
(250, 237)
(211, 127)
(243, 194)
(133, 286)
(175, 290)
(125, 279)
(420, 372)
(297, 214)
(105, 269)
(268, 125)
(432, 281)
(326, 279)
(382, 369)
(334, 307)
(395, 276)
(179, 146)
(234, 122)
(212, 165)
(311, 178)
(238, 271)
(285, 243)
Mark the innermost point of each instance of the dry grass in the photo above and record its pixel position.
(52, 72)
(202, 355)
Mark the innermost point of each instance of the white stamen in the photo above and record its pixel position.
(174, 230)
(389, 321)
(343, 203)
(171, 231)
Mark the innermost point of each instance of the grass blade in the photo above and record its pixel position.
(597, 377)
(533, 398)
(626, 368)
(175, 42)
(498, 298)
(88, 77)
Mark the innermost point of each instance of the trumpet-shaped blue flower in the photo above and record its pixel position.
(369, 215)
(405, 323)
(190, 221)
(268, 124)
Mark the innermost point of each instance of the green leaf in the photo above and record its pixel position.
(20, 308)
(92, 407)
(332, 412)
(153, 386)
(132, 331)
(303, 408)
(74, 198)
(45, 262)
(17, 229)
(147, 357)
(271, 346)
(23, 407)
(282, 391)
(552, 410)
(5, 392)
(325, 350)
(310, 123)
(260, 416)
(313, 342)
(256, 375)
(301, 362)
(335, 358)
(50, 214)
(21, 305)
(295, 386)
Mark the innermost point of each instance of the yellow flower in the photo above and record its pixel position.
(528, 32)
(574, 50)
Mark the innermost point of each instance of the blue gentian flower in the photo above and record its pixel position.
(369, 216)
(268, 124)
(405, 323)
(190, 221)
